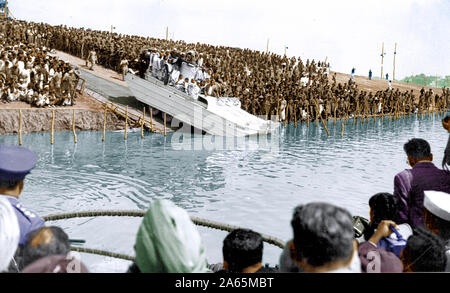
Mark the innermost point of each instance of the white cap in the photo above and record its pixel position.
(437, 203)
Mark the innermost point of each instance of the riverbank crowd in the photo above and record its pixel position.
(408, 230)
(266, 84)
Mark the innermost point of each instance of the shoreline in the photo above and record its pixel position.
(40, 120)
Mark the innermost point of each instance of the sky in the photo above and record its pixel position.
(347, 33)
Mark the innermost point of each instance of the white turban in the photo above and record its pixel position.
(9, 233)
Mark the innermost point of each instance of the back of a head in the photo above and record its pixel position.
(323, 233)
(44, 242)
(424, 252)
(417, 148)
(384, 207)
(168, 242)
(9, 233)
(242, 248)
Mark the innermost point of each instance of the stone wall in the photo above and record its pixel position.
(39, 120)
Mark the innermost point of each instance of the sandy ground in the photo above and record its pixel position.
(100, 71)
(374, 85)
(83, 101)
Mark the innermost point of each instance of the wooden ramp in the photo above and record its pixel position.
(133, 114)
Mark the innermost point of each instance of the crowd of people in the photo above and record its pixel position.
(408, 230)
(266, 83)
(28, 73)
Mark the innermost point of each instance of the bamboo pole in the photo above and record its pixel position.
(295, 118)
(307, 116)
(104, 124)
(126, 123)
(142, 125)
(335, 118)
(53, 127)
(286, 116)
(151, 118)
(165, 127)
(20, 127)
(324, 125)
(73, 128)
(343, 127)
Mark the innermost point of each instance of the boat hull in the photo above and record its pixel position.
(205, 113)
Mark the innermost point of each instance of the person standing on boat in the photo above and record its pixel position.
(193, 89)
(92, 59)
(15, 164)
(123, 68)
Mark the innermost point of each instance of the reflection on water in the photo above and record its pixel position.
(249, 186)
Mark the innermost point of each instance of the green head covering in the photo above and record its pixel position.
(168, 241)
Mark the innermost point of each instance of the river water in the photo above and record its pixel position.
(252, 184)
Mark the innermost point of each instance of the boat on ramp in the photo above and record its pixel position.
(215, 116)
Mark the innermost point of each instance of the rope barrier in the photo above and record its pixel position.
(197, 221)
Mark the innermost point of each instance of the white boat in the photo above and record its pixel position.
(215, 116)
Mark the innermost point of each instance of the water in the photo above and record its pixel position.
(252, 186)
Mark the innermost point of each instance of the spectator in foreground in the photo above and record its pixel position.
(446, 160)
(410, 184)
(375, 259)
(44, 242)
(323, 241)
(15, 163)
(243, 252)
(56, 264)
(436, 216)
(424, 252)
(168, 242)
(9, 234)
(383, 207)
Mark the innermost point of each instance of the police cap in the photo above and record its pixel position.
(16, 162)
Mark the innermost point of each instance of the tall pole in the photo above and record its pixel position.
(167, 33)
(382, 57)
(395, 53)
(267, 47)
(285, 50)
(6, 9)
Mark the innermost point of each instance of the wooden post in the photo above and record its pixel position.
(165, 128)
(142, 125)
(295, 117)
(53, 127)
(167, 33)
(335, 118)
(104, 124)
(343, 127)
(267, 48)
(151, 118)
(324, 125)
(20, 127)
(307, 116)
(126, 123)
(286, 115)
(73, 128)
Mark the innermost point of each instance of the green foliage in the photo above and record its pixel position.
(429, 80)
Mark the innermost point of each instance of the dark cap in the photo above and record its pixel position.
(16, 162)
